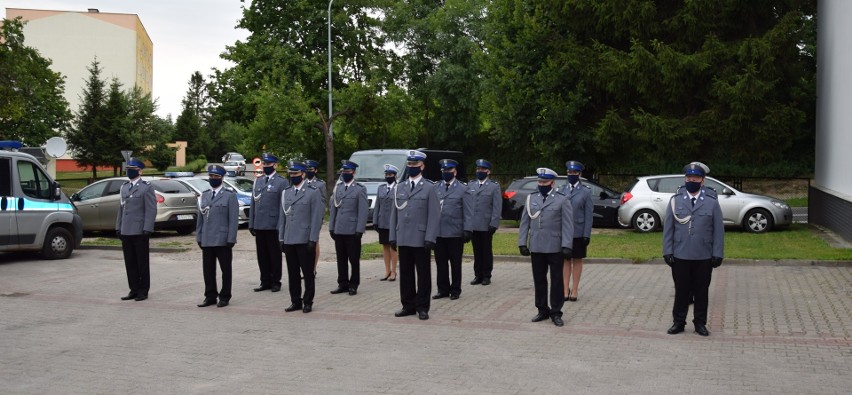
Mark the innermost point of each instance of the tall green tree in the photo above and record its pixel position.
(86, 137)
(117, 125)
(32, 106)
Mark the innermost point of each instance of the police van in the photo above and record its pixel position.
(34, 213)
(371, 168)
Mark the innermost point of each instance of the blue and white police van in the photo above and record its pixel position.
(34, 213)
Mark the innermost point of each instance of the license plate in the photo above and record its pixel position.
(181, 217)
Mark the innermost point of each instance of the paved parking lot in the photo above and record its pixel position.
(778, 329)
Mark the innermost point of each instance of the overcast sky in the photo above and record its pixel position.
(188, 36)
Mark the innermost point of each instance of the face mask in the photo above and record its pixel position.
(481, 175)
(215, 182)
(544, 189)
(573, 179)
(347, 177)
(268, 170)
(448, 176)
(390, 180)
(132, 173)
(693, 186)
(295, 180)
(310, 174)
(414, 171)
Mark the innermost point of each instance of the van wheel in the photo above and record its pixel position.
(58, 244)
(185, 230)
(757, 221)
(646, 221)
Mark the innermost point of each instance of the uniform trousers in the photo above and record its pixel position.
(449, 250)
(691, 278)
(348, 250)
(209, 256)
(300, 258)
(269, 259)
(415, 278)
(541, 263)
(483, 256)
(136, 263)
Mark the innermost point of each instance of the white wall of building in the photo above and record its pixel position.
(833, 168)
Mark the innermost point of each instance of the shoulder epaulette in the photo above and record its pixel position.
(311, 186)
(712, 196)
(559, 192)
(586, 186)
(145, 182)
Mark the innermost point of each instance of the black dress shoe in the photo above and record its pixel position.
(454, 297)
(140, 298)
(423, 315)
(439, 296)
(207, 302)
(293, 307)
(339, 290)
(540, 317)
(675, 329)
(701, 330)
(486, 281)
(275, 288)
(222, 303)
(353, 291)
(557, 321)
(476, 280)
(307, 308)
(262, 288)
(129, 296)
(404, 312)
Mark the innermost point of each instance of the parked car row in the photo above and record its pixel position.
(643, 205)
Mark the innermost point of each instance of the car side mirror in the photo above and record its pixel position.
(55, 192)
(75, 197)
(726, 191)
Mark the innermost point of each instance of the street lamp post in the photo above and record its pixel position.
(330, 133)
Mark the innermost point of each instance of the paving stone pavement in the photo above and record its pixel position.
(63, 329)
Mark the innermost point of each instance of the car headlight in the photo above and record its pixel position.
(780, 204)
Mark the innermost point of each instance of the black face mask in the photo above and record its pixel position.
(481, 175)
(311, 174)
(215, 182)
(295, 180)
(268, 170)
(390, 180)
(347, 177)
(573, 179)
(414, 171)
(448, 176)
(693, 186)
(132, 173)
(544, 189)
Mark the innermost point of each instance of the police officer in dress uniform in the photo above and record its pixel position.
(580, 196)
(312, 167)
(298, 228)
(263, 223)
(414, 224)
(134, 225)
(482, 209)
(546, 232)
(216, 234)
(450, 243)
(693, 245)
(381, 221)
(347, 221)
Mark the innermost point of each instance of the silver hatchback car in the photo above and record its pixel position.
(643, 206)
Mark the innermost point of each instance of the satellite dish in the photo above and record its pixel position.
(55, 146)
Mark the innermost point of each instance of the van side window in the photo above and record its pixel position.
(5, 177)
(34, 182)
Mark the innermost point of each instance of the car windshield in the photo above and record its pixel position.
(236, 158)
(232, 163)
(371, 166)
(242, 184)
(169, 186)
(198, 183)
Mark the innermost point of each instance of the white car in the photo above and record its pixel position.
(643, 206)
(234, 162)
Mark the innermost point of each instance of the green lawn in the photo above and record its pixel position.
(795, 242)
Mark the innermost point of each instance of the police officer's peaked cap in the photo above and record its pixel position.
(311, 163)
(267, 157)
(391, 169)
(345, 164)
(483, 163)
(295, 165)
(415, 156)
(703, 166)
(693, 169)
(134, 162)
(448, 163)
(545, 173)
(216, 169)
(573, 165)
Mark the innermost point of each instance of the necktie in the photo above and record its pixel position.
(693, 202)
(543, 198)
(480, 185)
(214, 195)
(346, 187)
(448, 186)
(572, 188)
(412, 185)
